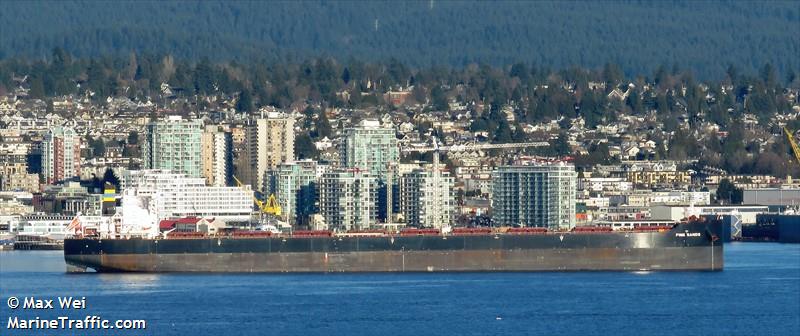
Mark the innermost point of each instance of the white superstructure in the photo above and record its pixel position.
(175, 195)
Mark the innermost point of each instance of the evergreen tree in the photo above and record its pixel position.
(304, 147)
(561, 146)
(612, 75)
(346, 76)
(728, 193)
(98, 146)
(97, 80)
(769, 76)
(503, 134)
(133, 138)
(245, 102)
(323, 126)
(203, 77)
(110, 177)
(439, 99)
(37, 87)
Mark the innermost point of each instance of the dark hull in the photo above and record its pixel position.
(686, 247)
(775, 227)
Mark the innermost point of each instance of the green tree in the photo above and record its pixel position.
(59, 72)
(769, 76)
(97, 81)
(203, 77)
(612, 75)
(519, 134)
(439, 99)
(591, 109)
(727, 193)
(503, 134)
(521, 71)
(323, 126)
(37, 88)
(110, 177)
(734, 142)
(133, 138)
(97, 145)
(245, 102)
(561, 146)
(346, 76)
(304, 147)
(479, 125)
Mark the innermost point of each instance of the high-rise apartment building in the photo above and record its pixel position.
(373, 147)
(269, 141)
(294, 184)
(61, 154)
(347, 199)
(539, 195)
(14, 168)
(425, 203)
(216, 153)
(173, 144)
(370, 146)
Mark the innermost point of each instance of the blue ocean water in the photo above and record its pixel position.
(758, 293)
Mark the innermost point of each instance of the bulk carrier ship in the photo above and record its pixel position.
(691, 245)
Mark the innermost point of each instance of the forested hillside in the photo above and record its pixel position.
(734, 123)
(705, 37)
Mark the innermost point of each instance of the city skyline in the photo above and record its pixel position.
(429, 167)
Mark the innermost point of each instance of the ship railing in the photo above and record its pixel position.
(646, 228)
(312, 233)
(460, 231)
(250, 234)
(592, 229)
(186, 235)
(363, 233)
(657, 228)
(526, 230)
(471, 231)
(420, 232)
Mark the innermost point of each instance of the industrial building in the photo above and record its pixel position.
(772, 196)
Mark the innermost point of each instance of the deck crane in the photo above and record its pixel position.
(270, 207)
(795, 148)
(437, 173)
